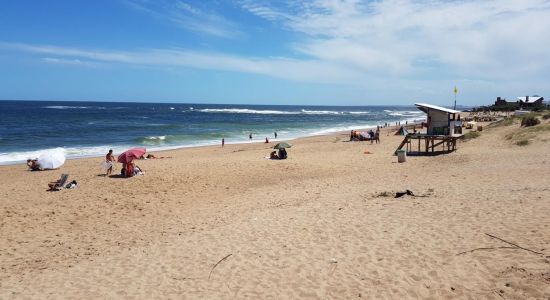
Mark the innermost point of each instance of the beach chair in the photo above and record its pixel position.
(56, 185)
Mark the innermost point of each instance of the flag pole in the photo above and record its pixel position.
(455, 90)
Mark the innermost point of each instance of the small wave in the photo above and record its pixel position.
(277, 112)
(388, 111)
(154, 138)
(162, 140)
(321, 112)
(246, 111)
(172, 108)
(408, 113)
(65, 107)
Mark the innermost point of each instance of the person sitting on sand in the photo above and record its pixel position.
(273, 155)
(129, 170)
(138, 171)
(55, 184)
(282, 153)
(34, 165)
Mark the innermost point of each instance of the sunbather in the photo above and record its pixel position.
(55, 185)
(34, 165)
(282, 153)
(273, 155)
(138, 171)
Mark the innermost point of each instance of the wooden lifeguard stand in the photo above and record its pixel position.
(444, 128)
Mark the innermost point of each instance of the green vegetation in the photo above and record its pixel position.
(522, 143)
(546, 116)
(471, 135)
(507, 107)
(528, 133)
(529, 120)
(505, 122)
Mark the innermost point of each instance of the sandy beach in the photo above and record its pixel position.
(220, 223)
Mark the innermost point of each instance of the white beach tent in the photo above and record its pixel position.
(52, 159)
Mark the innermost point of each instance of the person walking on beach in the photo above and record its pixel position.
(266, 140)
(275, 134)
(250, 136)
(223, 142)
(109, 162)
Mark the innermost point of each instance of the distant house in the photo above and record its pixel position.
(502, 102)
(530, 101)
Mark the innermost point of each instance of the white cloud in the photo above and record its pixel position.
(188, 17)
(285, 68)
(71, 62)
(485, 39)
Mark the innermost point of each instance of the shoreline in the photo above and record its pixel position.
(182, 147)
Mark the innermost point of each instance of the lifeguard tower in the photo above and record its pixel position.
(444, 128)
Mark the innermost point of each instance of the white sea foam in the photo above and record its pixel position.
(13, 157)
(246, 111)
(273, 112)
(321, 112)
(73, 107)
(408, 113)
(156, 138)
(64, 107)
(359, 112)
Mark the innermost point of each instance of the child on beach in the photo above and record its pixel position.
(109, 162)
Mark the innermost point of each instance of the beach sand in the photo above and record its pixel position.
(218, 223)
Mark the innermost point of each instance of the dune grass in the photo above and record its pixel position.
(505, 122)
(522, 143)
(471, 135)
(527, 133)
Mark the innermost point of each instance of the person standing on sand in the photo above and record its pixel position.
(223, 142)
(266, 140)
(109, 162)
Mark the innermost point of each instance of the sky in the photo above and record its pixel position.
(317, 52)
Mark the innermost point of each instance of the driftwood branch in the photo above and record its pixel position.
(485, 248)
(212, 270)
(515, 245)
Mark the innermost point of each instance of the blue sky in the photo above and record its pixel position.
(318, 52)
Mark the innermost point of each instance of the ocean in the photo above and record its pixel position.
(85, 129)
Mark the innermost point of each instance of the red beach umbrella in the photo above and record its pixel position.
(130, 155)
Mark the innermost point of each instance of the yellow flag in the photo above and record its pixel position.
(456, 90)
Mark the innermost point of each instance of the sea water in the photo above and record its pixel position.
(81, 129)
